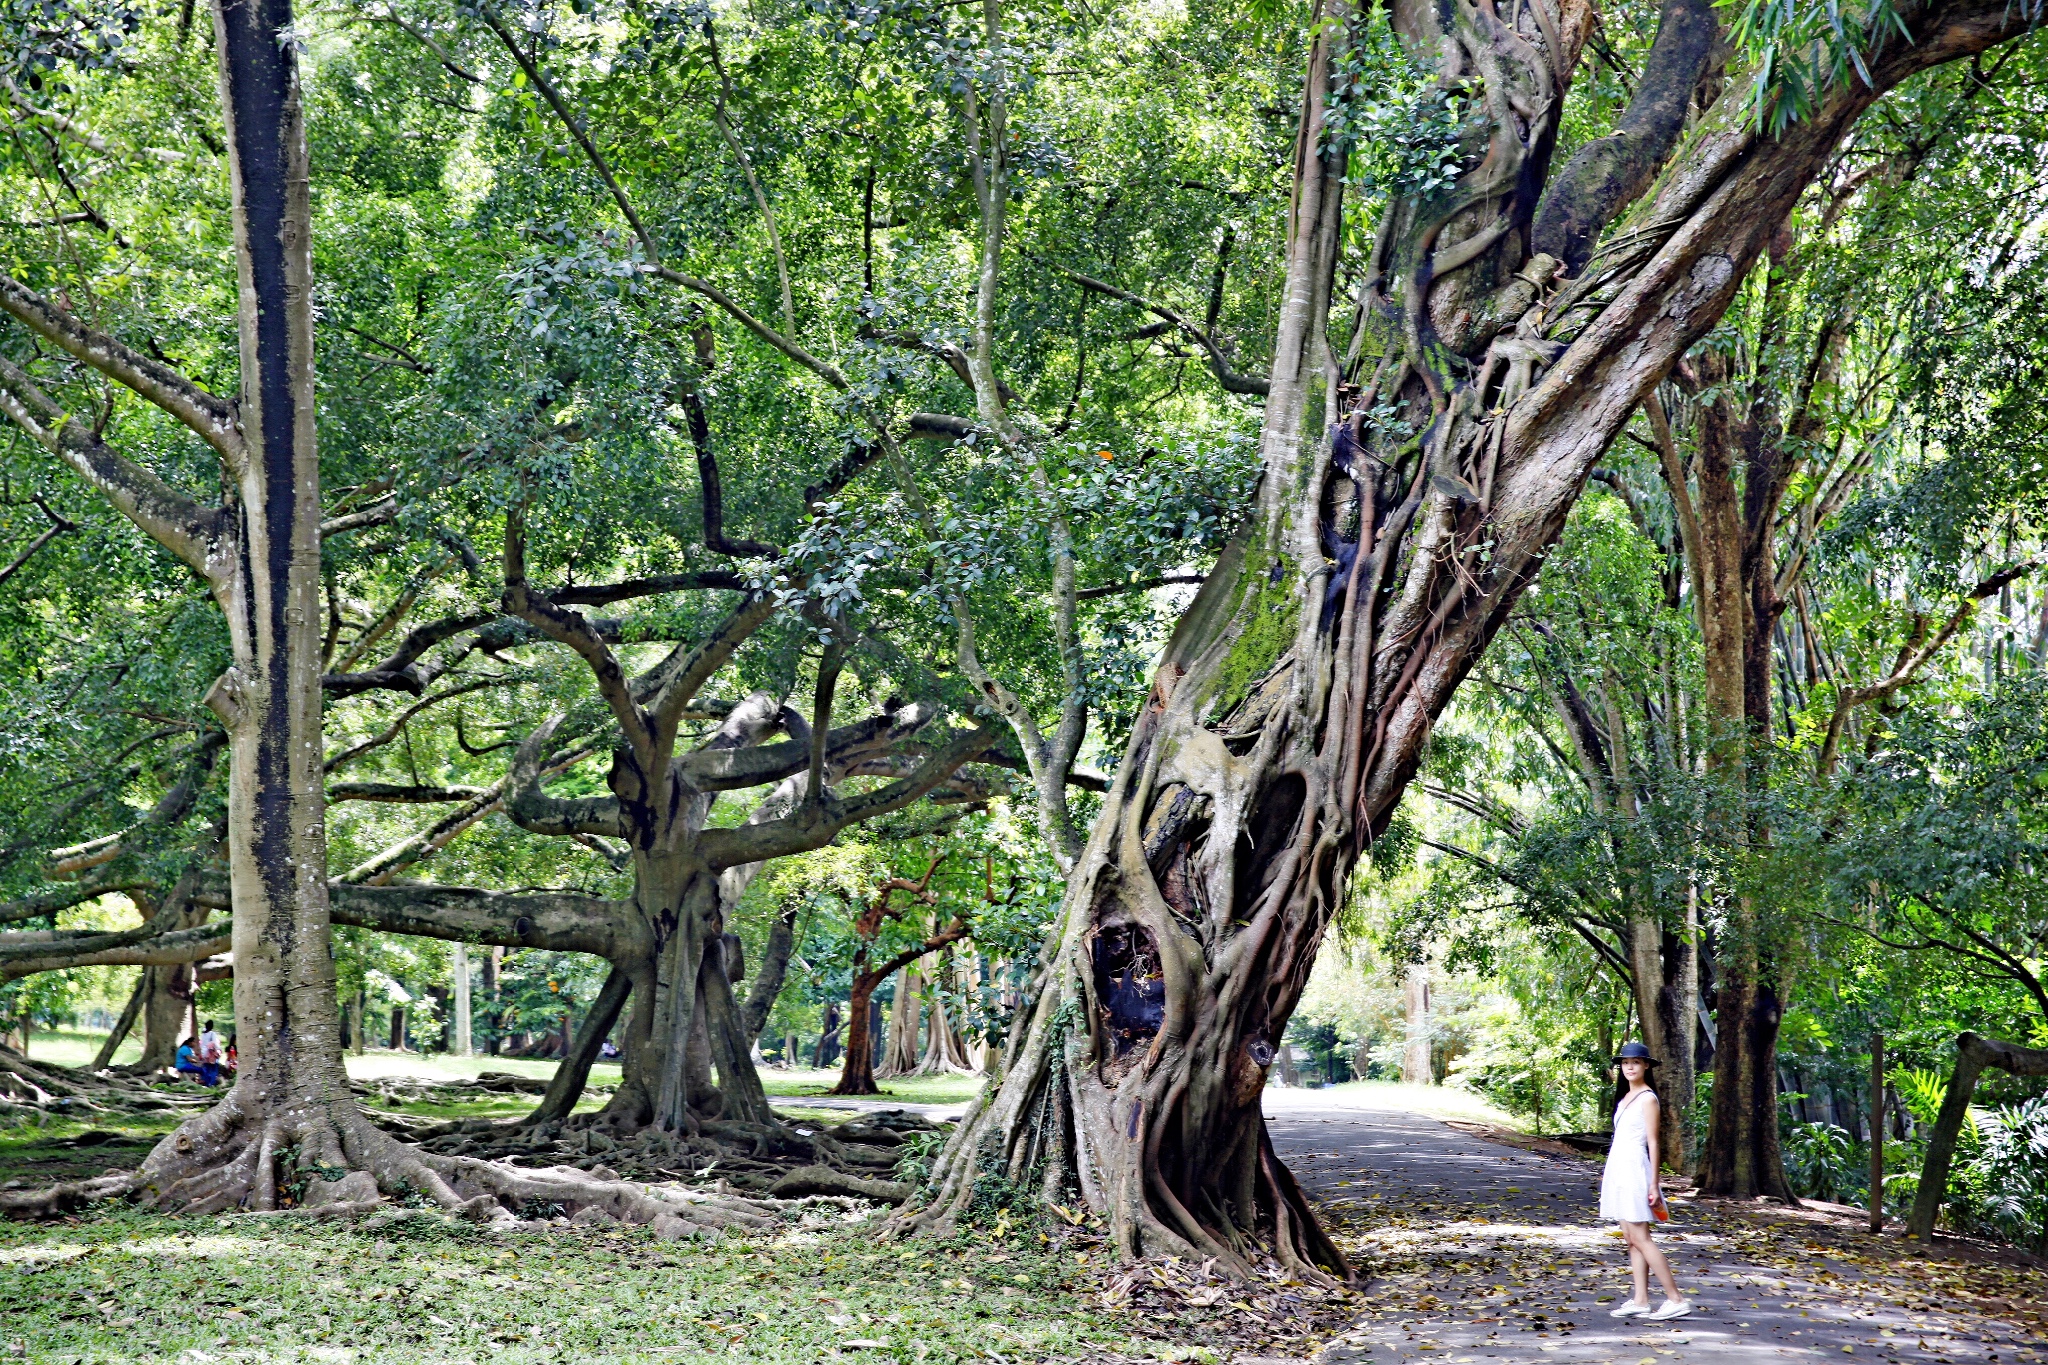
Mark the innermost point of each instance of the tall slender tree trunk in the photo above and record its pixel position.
(290, 1086)
(459, 966)
(1743, 1157)
(1415, 1055)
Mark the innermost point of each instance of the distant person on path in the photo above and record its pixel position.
(1632, 1188)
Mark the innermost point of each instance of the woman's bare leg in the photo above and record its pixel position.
(1645, 1255)
(1638, 1269)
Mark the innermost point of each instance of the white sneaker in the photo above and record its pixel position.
(1671, 1308)
(1631, 1309)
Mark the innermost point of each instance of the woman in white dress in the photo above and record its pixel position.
(1632, 1188)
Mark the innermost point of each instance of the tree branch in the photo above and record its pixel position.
(1231, 380)
(570, 628)
(1910, 664)
(58, 526)
(169, 517)
(813, 826)
(213, 418)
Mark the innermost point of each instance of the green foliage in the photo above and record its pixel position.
(1400, 125)
(2000, 1182)
(1798, 50)
(1921, 1090)
(1819, 1159)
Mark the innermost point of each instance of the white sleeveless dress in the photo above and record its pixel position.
(1626, 1183)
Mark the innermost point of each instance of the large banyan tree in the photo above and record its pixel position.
(1425, 436)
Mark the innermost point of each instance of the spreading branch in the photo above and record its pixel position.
(212, 417)
(1219, 363)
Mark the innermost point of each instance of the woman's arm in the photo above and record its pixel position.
(1651, 1128)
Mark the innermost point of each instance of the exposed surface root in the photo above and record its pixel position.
(55, 1200)
(34, 1092)
(332, 1159)
(747, 1157)
(825, 1180)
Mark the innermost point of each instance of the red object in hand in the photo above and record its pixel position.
(1660, 1210)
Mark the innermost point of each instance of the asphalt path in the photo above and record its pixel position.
(1478, 1251)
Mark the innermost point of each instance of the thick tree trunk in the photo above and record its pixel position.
(857, 1074)
(163, 1015)
(684, 1022)
(1744, 1157)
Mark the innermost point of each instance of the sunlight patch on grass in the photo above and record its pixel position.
(77, 1047)
(378, 1063)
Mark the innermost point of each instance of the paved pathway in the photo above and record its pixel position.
(1482, 1252)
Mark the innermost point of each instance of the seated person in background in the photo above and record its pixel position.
(187, 1063)
(228, 1057)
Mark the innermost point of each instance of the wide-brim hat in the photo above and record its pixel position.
(1634, 1052)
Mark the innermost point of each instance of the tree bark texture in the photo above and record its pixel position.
(1290, 708)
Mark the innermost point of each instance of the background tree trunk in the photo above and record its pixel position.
(1415, 1061)
(900, 1057)
(129, 1014)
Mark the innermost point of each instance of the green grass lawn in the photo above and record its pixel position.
(129, 1286)
(77, 1047)
(801, 1081)
(377, 1063)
